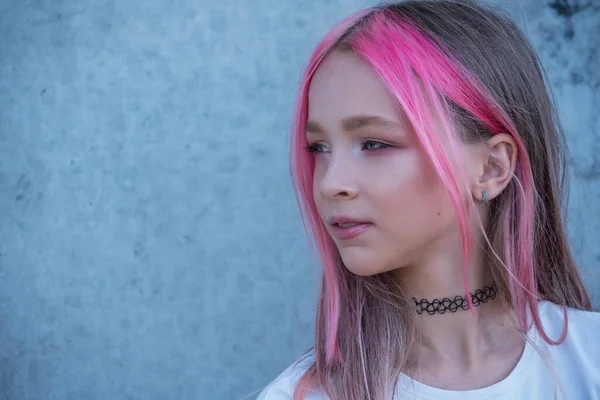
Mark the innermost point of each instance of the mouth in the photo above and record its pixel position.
(348, 224)
(344, 228)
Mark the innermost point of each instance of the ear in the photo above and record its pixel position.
(497, 167)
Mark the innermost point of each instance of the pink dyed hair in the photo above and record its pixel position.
(423, 77)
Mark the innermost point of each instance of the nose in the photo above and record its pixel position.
(337, 182)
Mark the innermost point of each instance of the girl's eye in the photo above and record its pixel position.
(374, 145)
(317, 148)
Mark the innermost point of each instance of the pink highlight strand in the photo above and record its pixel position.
(397, 62)
(301, 168)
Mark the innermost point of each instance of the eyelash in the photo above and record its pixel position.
(314, 148)
(381, 145)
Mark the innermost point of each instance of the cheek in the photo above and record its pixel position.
(317, 176)
(412, 199)
(410, 183)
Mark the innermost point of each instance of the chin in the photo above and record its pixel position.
(362, 264)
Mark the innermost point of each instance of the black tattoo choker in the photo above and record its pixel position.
(458, 302)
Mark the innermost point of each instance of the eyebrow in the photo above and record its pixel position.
(355, 122)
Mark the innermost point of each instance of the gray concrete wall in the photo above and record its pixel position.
(150, 245)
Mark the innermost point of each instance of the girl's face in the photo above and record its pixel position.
(374, 187)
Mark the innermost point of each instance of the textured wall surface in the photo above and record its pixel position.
(150, 246)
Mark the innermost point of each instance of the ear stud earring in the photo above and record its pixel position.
(485, 197)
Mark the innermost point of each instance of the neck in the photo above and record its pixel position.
(461, 338)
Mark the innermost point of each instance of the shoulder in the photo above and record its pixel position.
(578, 355)
(582, 325)
(282, 387)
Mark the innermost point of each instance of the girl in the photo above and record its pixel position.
(428, 163)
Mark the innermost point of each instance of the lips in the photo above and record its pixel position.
(346, 228)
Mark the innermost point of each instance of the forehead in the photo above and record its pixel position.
(344, 84)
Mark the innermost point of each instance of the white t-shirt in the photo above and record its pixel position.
(576, 363)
